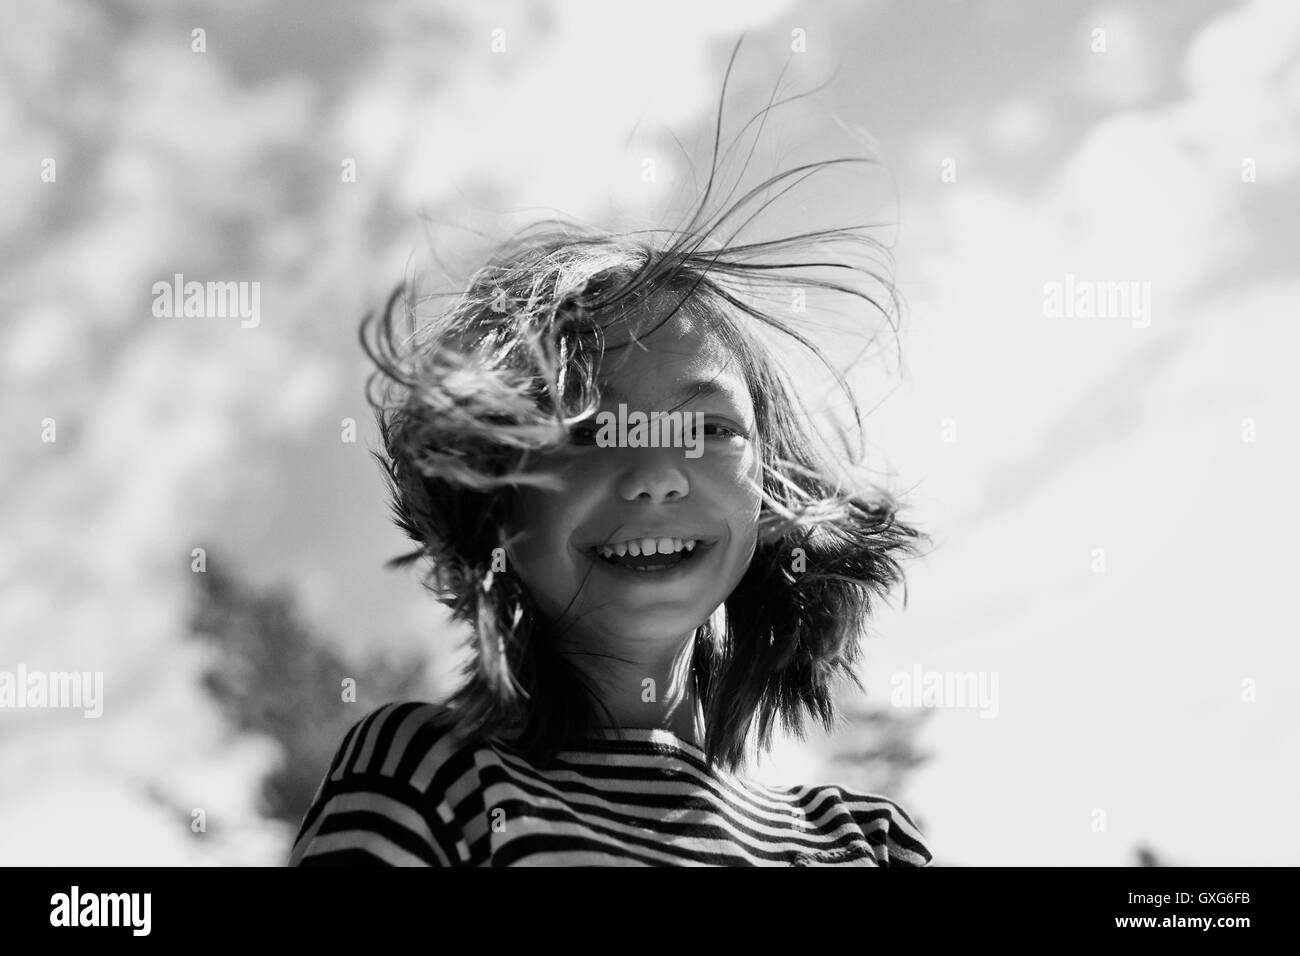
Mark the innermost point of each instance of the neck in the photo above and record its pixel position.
(646, 686)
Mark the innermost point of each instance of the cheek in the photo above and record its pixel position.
(533, 556)
(538, 523)
(537, 514)
(740, 473)
(544, 525)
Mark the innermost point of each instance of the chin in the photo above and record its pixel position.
(661, 631)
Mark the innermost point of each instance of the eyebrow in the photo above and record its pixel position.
(699, 388)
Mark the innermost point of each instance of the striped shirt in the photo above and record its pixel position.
(406, 789)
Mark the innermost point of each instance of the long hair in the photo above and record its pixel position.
(464, 400)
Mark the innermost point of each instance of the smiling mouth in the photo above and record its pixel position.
(650, 563)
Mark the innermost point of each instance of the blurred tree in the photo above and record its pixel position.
(271, 676)
(877, 749)
(1147, 856)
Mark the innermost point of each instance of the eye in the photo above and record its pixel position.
(583, 434)
(722, 430)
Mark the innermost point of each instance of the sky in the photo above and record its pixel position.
(1106, 493)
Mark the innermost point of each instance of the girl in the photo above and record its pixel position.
(642, 613)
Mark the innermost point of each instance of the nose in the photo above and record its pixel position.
(654, 475)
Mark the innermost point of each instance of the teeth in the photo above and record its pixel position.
(647, 546)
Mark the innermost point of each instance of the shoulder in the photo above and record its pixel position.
(386, 796)
(410, 741)
(893, 834)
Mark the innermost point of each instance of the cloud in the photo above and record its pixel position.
(1080, 434)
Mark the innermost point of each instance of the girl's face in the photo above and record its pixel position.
(613, 495)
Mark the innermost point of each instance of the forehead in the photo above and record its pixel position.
(672, 361)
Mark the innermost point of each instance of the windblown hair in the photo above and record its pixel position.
(464, 401)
